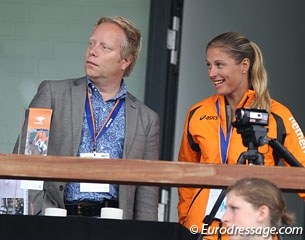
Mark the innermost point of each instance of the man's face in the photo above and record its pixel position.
(103, 56)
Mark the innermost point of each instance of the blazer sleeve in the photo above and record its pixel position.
(147, 197)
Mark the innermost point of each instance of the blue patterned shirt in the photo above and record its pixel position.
(111, 142)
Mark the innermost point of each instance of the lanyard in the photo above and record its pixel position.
(224, 142)
(91, 121)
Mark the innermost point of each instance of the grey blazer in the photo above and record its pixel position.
(67, 99)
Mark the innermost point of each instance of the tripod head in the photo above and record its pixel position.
(250, 123)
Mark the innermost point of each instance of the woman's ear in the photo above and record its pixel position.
(245, 63)
(263, 214)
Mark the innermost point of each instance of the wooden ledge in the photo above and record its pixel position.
(143, 172)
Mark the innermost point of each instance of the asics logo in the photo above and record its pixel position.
(208, 117)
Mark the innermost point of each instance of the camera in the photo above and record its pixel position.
(250, 123)
(250, 116)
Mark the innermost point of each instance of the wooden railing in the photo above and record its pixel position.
(144, 172)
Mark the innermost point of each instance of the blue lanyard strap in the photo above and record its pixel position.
(224, 142)
(91, 121)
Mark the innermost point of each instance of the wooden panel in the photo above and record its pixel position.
(144, 172)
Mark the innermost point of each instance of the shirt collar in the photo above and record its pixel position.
(121, 94)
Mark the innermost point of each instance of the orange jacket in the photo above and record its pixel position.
(201, 144)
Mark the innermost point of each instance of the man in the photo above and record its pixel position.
(95, 115)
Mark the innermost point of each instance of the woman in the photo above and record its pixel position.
(255, 207)
(236, 69)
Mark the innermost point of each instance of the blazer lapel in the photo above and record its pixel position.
(78, 93)
(132, 112)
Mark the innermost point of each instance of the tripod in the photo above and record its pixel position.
(253, 136)
(254, 157)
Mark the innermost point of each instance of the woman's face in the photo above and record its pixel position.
(229, 78)
(243, 216)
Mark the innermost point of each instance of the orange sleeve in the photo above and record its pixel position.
(295, 142)
(186, 154)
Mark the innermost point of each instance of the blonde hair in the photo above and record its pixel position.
(131, 46)
(261, 192)
(239, 48)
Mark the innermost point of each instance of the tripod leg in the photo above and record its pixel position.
(242, 158)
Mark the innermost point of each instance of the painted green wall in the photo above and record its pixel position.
(41, 39)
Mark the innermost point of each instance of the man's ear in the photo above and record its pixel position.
(126, 62)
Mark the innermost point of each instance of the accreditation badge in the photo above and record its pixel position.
(214, 194)
(94, 187)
